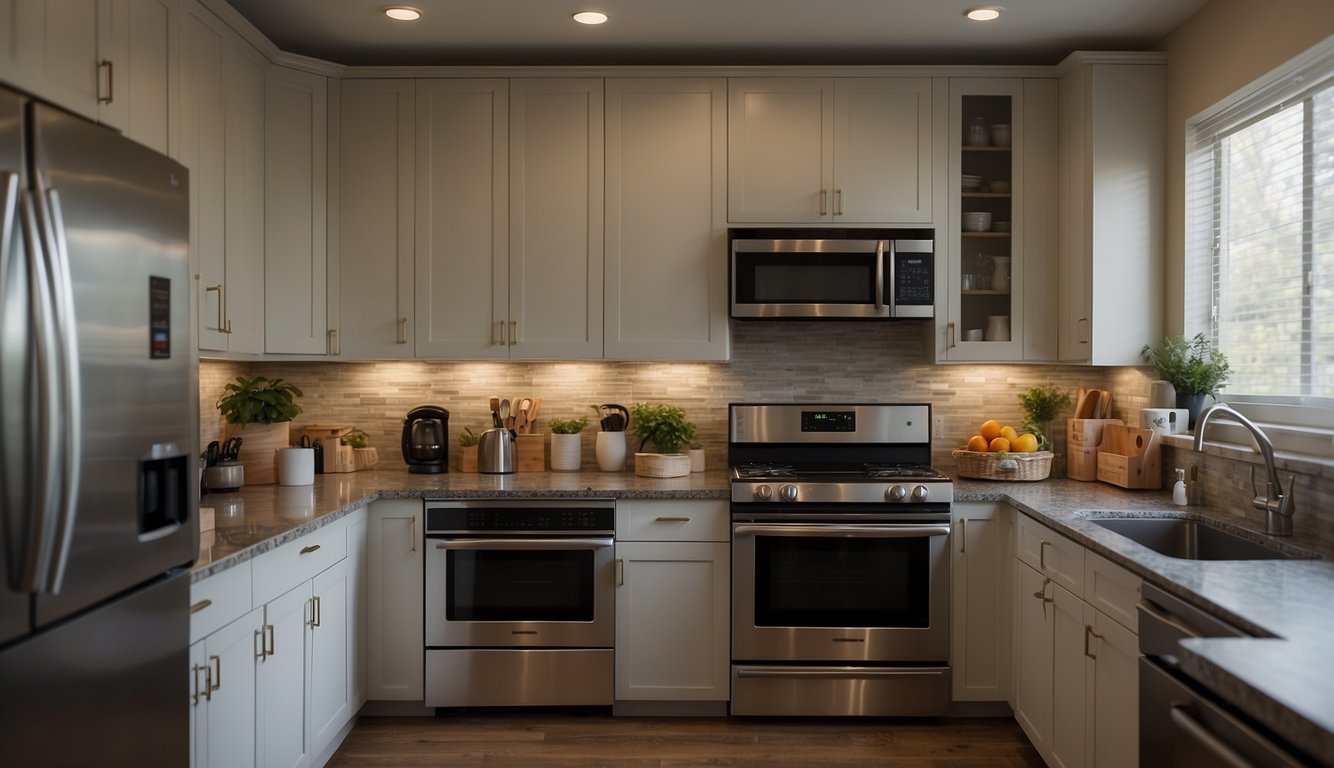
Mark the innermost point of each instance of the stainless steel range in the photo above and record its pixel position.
(840, 561)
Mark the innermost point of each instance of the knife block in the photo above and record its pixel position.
(1128, 457)
(1082, 439)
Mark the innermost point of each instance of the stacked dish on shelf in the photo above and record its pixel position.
(970, 183)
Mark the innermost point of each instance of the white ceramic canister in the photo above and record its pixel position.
(296, 466)
(566, 452)
(610, 450)
(1167, 421)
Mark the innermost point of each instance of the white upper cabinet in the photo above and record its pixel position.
(138, 50)
(1111, 207)
(295, 191)
(372, 213)
(854, 150)
(462, 246)
(50, 48)
(243, 276)
(555, 221)
(666, 231)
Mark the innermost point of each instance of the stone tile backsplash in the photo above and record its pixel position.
(781, 361)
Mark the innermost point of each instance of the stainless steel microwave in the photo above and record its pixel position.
(832, 273)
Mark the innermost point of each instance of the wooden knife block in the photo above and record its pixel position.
(1082, 439)
(1128, 457)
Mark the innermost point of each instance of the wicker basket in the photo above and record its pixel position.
(1015, 466)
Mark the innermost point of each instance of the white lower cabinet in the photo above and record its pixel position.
(1076, 692)
(394, 650)
(673, 607)
(332, 700)
(281, 681)
(980, 609)
(222, 685)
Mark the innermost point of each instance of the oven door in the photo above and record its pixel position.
(520, 591)
(840, 592)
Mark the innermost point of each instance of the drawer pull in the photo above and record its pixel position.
(670, 519)
(1042, 554)
(309, 549)
(201, 605)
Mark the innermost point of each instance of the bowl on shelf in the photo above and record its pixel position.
(999, 186)
(1000, 226)
(970, 183)
(1000, 134)
(976, 221)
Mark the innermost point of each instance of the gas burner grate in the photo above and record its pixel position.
(747, 471)
(906, 471)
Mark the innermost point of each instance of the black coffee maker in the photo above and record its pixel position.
(426, 440)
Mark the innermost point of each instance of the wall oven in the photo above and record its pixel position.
(840, 562)
(520, 601)
(832, 273)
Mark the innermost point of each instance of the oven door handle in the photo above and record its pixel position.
(524, 544)
(890, 531)
(836, 673)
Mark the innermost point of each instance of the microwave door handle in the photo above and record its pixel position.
(529, 544)
(890, 299)
(879, 276)
(846, 531)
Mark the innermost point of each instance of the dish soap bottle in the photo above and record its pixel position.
(1179, 490)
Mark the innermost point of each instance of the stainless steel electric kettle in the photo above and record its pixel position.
(495, 451)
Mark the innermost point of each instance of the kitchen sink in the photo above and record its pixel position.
(1188, 539)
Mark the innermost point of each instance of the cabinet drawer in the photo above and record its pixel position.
(1112, 590)
(219, 600)
(672, 520)
(1053, 555)
(282, 569)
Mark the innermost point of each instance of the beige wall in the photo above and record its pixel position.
(1211, 55)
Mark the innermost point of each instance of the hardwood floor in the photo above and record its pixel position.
(587, 741)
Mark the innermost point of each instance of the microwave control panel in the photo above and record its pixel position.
(913, 278)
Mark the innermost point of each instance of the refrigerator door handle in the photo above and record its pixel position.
(41, 534)
(9, 195)
(62, 290)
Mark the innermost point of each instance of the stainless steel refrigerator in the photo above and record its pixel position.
(98, 431)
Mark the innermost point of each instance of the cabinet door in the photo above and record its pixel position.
(981, 607)
(780, 149)
(462, 287)
(394, 653)
(228, 709)
(281, 682)
(556, 210)
(243, 305)
(666, 239)
(882, 150)
(1113, 719)
(1034, 623)
(357, 531)
(331, 696)
(370, 293)
(295, 191)
(198, 144)
(672, 621)
(1069, 680)
(137, 48)
(49, 47)
(198, 718)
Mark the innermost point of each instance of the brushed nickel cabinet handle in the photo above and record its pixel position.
(499, 339)
(514, 333)
(949, 334)
(268, 632)
(412, 538)
(217, 677)
(208, 683)
(672, 519)
(838, 202)
(335, 344)
(315, 611)
(309, 549)
(201, 605)
(106, 64)
(620, 572)
(402, 330)
(1042, 554)
(1088, 631)
(222, 324)
(194, 684)
(259, 640)
(824, 202)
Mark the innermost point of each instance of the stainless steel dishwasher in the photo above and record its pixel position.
(1181, 723)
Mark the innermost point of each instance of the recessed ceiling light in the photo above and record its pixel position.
(985, 13)
(402, 13)
(590, 17)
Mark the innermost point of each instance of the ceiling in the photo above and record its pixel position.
(719, 32)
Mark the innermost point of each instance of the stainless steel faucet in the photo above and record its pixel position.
(1276, 504)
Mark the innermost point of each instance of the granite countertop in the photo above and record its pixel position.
(1284, 677)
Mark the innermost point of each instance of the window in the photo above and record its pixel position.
(1260, 231)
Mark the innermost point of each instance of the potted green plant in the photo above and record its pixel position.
(667, 427)
(566, 444)
(467, 450)
(1194, 367)
(1041, 404)
(259, 410)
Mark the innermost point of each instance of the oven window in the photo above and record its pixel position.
(834, 582)
(810, 278)
(519, 585)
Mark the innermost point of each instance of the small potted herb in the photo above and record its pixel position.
(467, 451)
(1041, 404)
(259, 410)
(1194, 367)
(566, 444)
(667, 427)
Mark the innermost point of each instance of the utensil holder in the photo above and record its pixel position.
(610, 451)
(530, 453)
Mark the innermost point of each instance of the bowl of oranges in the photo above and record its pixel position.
(1000, 452)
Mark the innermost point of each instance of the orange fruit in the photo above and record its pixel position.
(1025, 443)
(977, 443)
(990, 429)
(999, 444)
(1008, 433)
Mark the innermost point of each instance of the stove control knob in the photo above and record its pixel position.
(788, 493)
(763, 493)
(920, 493)
(896, 493)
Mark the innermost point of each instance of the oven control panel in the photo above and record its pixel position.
(535, 517)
